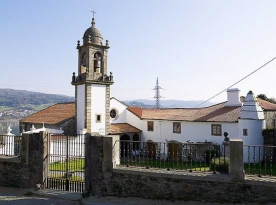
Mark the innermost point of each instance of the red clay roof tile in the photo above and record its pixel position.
(54, 114)
(136, 111)
(121, 128)
(215, 113)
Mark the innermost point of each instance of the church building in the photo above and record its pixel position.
(95, 112)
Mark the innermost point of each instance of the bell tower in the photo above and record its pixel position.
(92, 84)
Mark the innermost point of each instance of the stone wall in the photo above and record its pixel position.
(30, 168)
(103, 178)
(187, 188)
(13, 173)
(269, 118)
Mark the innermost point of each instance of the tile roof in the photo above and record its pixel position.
(215, 113)
(120, 128)
(136, 111)
(54, 114)
(267, 106)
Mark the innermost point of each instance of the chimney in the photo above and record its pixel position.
(233, 97)
(251, 108)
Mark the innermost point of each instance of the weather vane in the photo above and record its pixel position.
(93, 13)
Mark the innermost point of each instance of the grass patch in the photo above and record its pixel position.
(262, 169)
(73, 165)
(220, 164)
(4, 108)
(78, 165)
(40, 107)
(165, 164)
(62, 177)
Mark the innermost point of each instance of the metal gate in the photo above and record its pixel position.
(66, 162)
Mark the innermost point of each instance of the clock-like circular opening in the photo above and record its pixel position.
(113, 113)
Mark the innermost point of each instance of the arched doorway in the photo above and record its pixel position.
(125, 146)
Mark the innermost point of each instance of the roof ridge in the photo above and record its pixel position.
(119, 101)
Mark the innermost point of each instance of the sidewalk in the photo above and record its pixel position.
(92, 200)
(14, 196)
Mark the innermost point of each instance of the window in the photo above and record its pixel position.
(177, 127)
(216, 129)
(244, 132)
(113, 113)
(98, 118)
(150, 125)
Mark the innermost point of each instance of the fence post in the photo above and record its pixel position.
(99, 162)
(236, 172)
(24, 155)
(111, 150)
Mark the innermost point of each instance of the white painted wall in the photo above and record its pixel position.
(134, 120)
(98, 102)
(121, 109)
(193, 131)
(80, 107)
(254, 137)
(254, 129)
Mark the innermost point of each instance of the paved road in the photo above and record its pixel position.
(138, 201)
(13, 196)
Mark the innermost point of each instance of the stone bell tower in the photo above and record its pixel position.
(92, 84)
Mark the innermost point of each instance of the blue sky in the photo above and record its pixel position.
(195, 48)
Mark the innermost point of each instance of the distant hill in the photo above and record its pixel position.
(19, 98)
(168, 103)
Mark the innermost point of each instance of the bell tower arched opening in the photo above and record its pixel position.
(97, 62)
(83, 63)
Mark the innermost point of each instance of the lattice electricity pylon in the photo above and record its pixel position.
(157, 96)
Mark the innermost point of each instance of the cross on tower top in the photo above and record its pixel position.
(93, 13)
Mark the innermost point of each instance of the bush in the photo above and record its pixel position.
(220, 164)
(210, 154)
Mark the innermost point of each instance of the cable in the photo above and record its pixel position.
(237, 81)
(231, 85)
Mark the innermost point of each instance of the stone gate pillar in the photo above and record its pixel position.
(35, 155)
(236, 172)
(101, 153)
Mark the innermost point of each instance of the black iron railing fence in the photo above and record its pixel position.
(66, 162)
(260, 160)
(10, 145)
(173, 155)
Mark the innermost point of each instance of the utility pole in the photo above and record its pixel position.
(157, 95)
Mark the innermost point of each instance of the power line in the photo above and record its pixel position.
(231, 85)
(237, 81)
